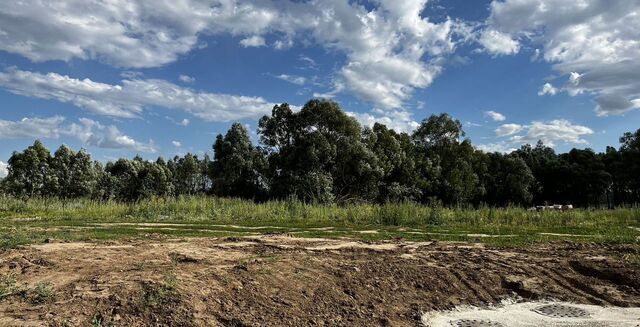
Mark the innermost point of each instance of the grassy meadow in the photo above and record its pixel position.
(36, 220)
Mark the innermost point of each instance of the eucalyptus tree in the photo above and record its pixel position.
(74, 174)
(396, 159)
(547, 171)
(506, 180)
(624, 167)
(446, 160)
(29, 172)
(317, 154)
(236, 169)
(187, 174)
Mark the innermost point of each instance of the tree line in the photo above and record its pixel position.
(319, 154)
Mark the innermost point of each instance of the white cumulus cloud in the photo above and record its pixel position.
(594, 44)
(253, 41)
(132, 96)
(502, 147)
(508, 129)
(551, 132)
(121, 32)
(94, 133)
(186, 79)
(495, 116)
(547, 88)
(497, 43)
(298, 80)
(177, 144)
(88, 131)
(31, 128)
(399, 120)
(391, 47)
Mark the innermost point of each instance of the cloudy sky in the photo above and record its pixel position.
(163, 77)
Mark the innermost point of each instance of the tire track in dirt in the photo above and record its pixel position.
(562, 284)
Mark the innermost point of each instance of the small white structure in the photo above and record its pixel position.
(559, 207)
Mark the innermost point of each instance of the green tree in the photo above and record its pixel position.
(395, 156)
(187, 174)
(123, 175)
(507, 180)
(318, 154)
(448, 173)
(74, 174)
(155, 179)
(237, 165)
(630, 141)
(29, 173)
(624, 167)
(586, 178)
(547, 172)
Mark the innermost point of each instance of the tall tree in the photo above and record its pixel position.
(546, 170)
(29, 172)
(187, 174)
(236, 169)
(123, 175)
(317, 154)
(507, 180)
(395, 154)
(585, 177)
(630, 141)
(450, 177)
(155, 179)
(624, 166)
(74, 173)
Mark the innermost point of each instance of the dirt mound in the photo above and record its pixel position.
(285, 281)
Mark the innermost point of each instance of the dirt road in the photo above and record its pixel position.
(285, 281)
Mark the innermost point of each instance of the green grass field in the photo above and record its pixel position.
(35, 220)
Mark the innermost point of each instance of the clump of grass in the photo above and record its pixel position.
(42, 293)
(98, 321)
(9, 287)
(15, 237)
(139, 266)
(161, 293)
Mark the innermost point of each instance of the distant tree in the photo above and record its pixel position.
(155, 179)
(84, 174)
(29, 173)
(318, 155)
(105, 183)
(395, 154)
(630, 142)
(61, 164)
(206, 184)
(506, 181)
(586, 178)
(449, 160)
(236, 169)
(123, 175)
(187, 174)
(624, 167)
(74, 174)
(546, 170)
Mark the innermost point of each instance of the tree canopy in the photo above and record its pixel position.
(320, 154)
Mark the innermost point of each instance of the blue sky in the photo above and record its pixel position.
(160, 78)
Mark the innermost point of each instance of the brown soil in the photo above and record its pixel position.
(285, 281)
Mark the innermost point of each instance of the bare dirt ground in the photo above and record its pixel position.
(284, 281)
